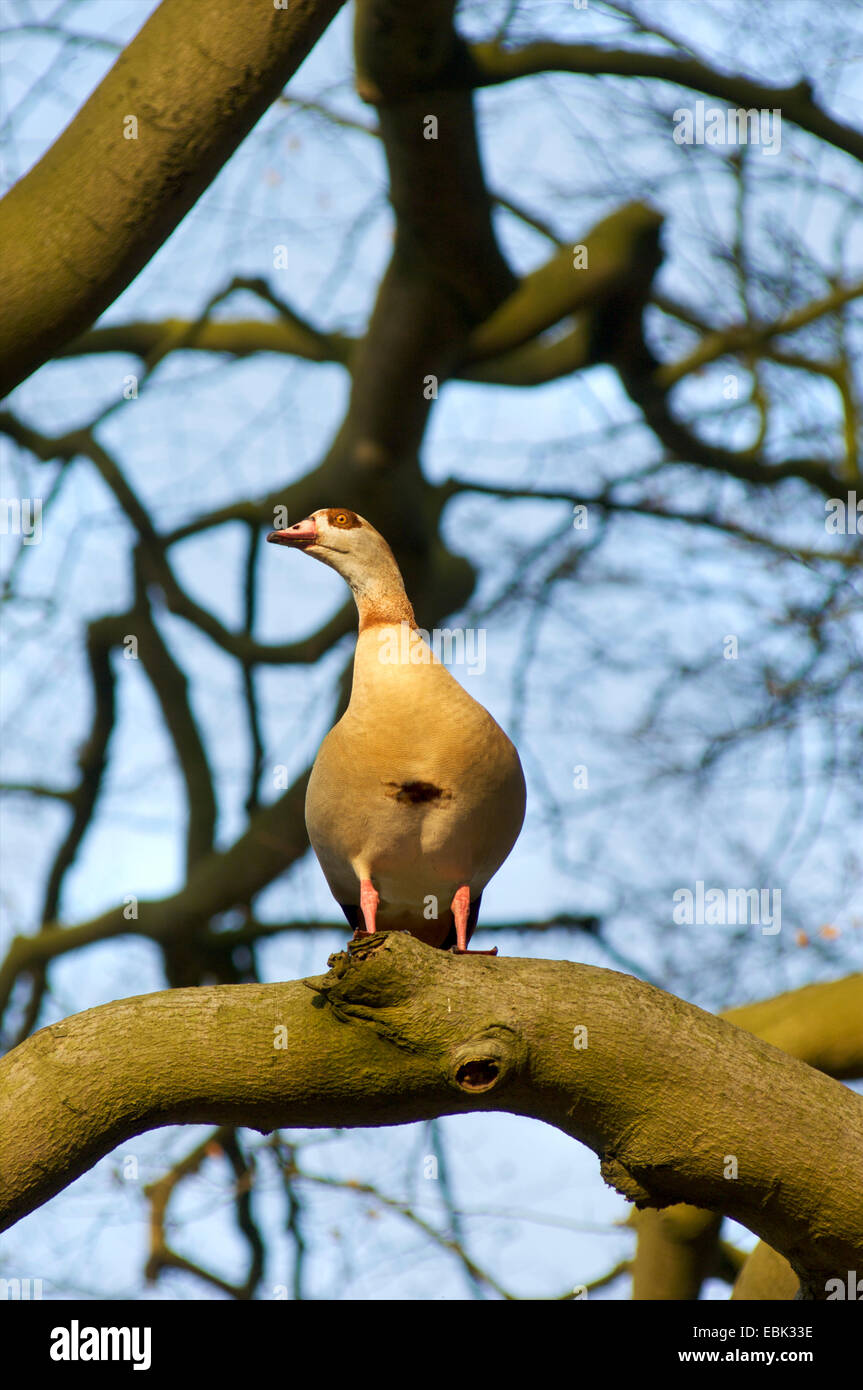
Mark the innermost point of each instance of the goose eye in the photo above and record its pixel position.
(341, 519)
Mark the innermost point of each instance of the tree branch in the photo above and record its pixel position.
(392, 1034)
(171, 687)
(493, 63)
(153, 340)
(744, 337)
(80, 225)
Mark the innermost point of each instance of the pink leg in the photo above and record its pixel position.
(460, 906)
(369, 900)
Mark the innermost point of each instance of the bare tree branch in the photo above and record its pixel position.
(322, 1052)
(109, 193)
(492, 63)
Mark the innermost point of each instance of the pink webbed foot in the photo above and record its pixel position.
(460, 906)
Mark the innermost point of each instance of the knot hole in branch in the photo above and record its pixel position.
(479, 1074)
(485, 1061)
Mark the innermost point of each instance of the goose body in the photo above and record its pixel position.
(416, 796)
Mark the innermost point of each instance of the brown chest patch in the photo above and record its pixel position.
(414, 793)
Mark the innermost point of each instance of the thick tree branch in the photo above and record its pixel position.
(676, 1252)
(79, 226)
(821, 1024)
(617, 260)
(766, 1275)
(397, 1032)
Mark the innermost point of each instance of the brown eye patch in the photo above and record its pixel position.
(340, 516)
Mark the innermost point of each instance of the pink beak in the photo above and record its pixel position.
(303, 534)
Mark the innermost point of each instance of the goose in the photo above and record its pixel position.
(416, 796)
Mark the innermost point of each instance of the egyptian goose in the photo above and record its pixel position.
(416, 796)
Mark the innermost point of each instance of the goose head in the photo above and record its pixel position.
(350, 545)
